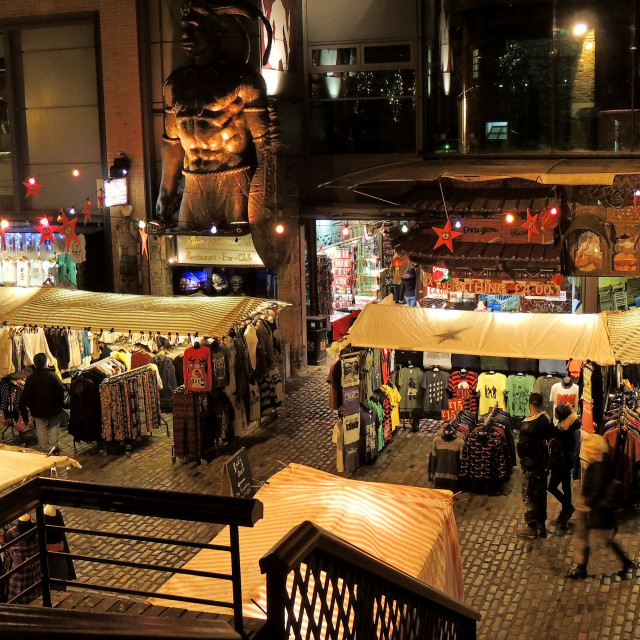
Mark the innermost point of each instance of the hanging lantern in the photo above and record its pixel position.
(557, 279)
(550, 217)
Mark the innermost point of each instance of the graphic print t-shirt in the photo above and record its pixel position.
(491, 388)
(519, 389)
(434, 385)
(197, 369)
(561, 394)
(463, 384)
(409, 379)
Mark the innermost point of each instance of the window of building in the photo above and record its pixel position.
(362, 99)
(496, 131)
(476, 64)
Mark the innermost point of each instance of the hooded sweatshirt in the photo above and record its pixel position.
(535, 430)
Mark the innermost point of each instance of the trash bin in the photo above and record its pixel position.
(316, 339)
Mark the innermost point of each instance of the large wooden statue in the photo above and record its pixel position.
(216, 122)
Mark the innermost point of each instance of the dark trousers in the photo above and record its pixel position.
(561, 476)
(534, 496)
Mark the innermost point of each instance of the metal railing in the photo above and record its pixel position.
(319, 586)
(232, 512)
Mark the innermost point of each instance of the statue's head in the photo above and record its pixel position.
(202, 23)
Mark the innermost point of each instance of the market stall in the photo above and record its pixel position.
(411, 528)
(19, 464)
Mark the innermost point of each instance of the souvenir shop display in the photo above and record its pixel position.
(434, 390)
(543, 386)
(409, 380)
(519, 388)
(463, 384)
(491, 388)
(445, 457)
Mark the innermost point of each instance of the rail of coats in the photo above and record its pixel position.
(120, 382)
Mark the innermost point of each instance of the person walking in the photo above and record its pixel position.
(535, 431)
(566, 433)
(409, 287)
(43, 395)
(597, 505)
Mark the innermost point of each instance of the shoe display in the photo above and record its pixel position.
(527, 531)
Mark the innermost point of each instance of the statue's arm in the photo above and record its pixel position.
(172, 164)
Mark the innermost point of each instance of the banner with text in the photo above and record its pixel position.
(236, 251)
(491, 287)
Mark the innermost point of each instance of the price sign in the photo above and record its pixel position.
(456, 404)
(237, 479)
(448, 414)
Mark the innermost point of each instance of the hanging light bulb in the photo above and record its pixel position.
(214, 229)
(458, 224)
(171, 260)
(346, 232)
(279, 229)
(32, 180)
(4, 223)
(72, 211)
(142, 224)
(44, 221)
(75, 173)
(404, 228)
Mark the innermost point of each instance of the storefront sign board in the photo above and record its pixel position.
(220, 251)
(492, 287)
(237, 480)
(493, 230)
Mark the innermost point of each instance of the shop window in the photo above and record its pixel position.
(362, 99)
(496, 131)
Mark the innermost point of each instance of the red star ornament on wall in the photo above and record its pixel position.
(530, 225)
(68, 229)
(144, 236)
(32, 187)
(101, 197)
(446, 236)
(87, 211)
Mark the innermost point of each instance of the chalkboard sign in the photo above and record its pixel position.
(237, 480)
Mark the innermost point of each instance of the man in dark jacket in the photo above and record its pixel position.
(566, 433)
(43, 395)
(409, 287)
(535, 431)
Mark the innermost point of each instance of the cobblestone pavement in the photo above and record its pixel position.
(518, 586)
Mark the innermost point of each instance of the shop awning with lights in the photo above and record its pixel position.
(490, 256)
(544, 170)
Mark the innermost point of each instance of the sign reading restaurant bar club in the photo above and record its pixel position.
(494, 287)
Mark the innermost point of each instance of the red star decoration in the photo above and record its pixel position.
(530, 225)
(68, 228)
(87, 211)
(101, 197)
(45, 231)
(32, 188)
(144, 236)
(446, 236)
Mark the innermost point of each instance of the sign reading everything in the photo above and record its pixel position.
(493, 287)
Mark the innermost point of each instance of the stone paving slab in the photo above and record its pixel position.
(518, 585)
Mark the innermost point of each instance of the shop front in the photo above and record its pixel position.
(220, 266)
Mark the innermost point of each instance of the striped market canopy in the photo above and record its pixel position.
(209, 317)
(623, 328)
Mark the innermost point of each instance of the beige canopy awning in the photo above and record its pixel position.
(544, 170)
(514, 335)
(209, 317)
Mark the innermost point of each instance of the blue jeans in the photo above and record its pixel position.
(410, 300)
(48, 432)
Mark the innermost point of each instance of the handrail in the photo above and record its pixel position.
(362, 587)
(301, 540)
(242, 512)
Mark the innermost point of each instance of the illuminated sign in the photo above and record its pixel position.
(494, 287)
(115, 192)
(222, 251)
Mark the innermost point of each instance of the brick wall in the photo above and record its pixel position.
(122, 105)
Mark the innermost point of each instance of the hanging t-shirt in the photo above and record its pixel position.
(408, 380)
(254, 402)
(519, 389)
(36, 273)
(560, 393)
(553, 366)
(352, 441)
(350, 400)
(197, 369)
(543, 386)
(8, 271)
(463, 361)
(491, 389)
(574, 367)
(22, 273)
(395, 398)
(50, 268)
(436, 359)
(463, 384)
(434, 385)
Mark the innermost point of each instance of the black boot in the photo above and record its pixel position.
(579, 570)
(565, 516)
(627, 563)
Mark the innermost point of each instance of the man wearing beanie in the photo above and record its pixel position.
(535, 430)
(43, 395)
